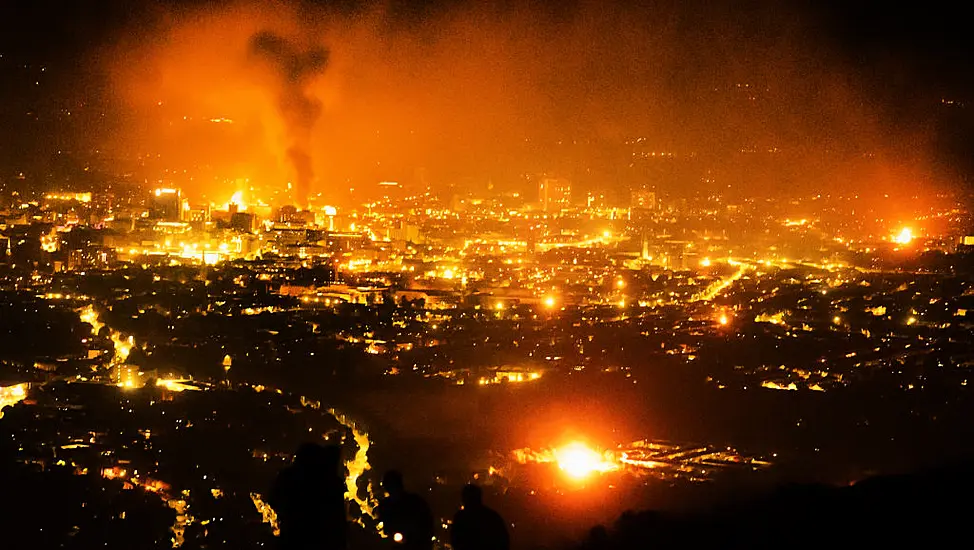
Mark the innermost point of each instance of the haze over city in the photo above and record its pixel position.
(445, 93)
(592, 274)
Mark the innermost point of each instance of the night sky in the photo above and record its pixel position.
(455, 89)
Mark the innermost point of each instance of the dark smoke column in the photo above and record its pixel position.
(294, 69)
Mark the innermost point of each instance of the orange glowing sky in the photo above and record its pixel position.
(471, 94)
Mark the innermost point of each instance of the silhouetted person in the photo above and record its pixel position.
(405, 517)
(477, 527)
(598, 539)
(309, 498)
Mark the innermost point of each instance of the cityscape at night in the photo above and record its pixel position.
(575, 276)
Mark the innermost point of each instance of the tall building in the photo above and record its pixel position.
(554, 193)
(391, 190)
(243, 221)
(166, 204)
(198, 214)
(287, 213)
(595, 200)
(643, 198)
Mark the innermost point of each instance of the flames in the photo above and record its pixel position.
(268, 515)
(11, 395)
(123, 346)
(576, 459)
(237, 199)
(357, 466)
(579, 461)
(90, 316)
(905, 236)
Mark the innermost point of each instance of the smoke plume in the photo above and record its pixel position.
(749, 101)
(300, 110)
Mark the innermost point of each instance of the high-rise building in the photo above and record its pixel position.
(198, 214)
(166, 204)
(595, 200)
(643, 198)
(287, 213)
(554, 193)
(391, 190)
(243, 221)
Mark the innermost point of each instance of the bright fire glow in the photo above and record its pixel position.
(268, 515)
(238, 200)
(175, 385)
(773, 318)
(777, 386)
(357, 466)
(579, 461)
(123, 347)
(549, 301)
(90, 316)
(11, 395)
(904, 236)
(576, 459)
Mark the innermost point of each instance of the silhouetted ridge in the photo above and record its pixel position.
(930, 509)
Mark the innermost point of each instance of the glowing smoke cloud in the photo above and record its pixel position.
(294, 68)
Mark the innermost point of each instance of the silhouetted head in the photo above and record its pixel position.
(598, 534)
(308, 454)
(392, 482)
(471, 496)
(331, 458)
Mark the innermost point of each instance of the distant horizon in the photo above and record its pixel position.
(773, 98)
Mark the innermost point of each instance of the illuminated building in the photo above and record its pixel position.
(198, 214)
(403, 231)
(128, 376)
(68, 196)
(284, 236)
(243, 221)
(166, 204)
(595, 200)
(330, 213)
(291, 215)
(92, 256)
(390, 189)
(512, 376)
(643, 198)
(344, 241)
(554, 194)
(67, 207)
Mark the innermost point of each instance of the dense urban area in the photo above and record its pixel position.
(175, 355)
(609, 290)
